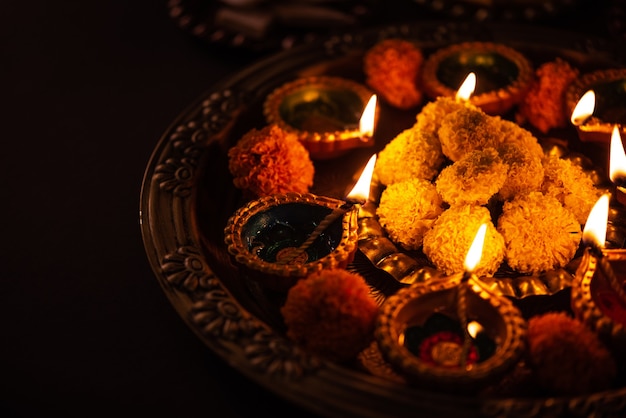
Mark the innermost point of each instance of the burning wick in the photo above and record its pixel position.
(594, 236)
(357, 196)
(368, 118)
(467, 88)
(472, 259)
(584, 108)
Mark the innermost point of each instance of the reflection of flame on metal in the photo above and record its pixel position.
(474, 328)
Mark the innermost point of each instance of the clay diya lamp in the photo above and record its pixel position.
(420, 334)
(617, 166)
(598, 296)
(282, 238)
(503, 74)
(263, 237)
(324, 112)
(451, 334)
(608, 109)
(597, 302)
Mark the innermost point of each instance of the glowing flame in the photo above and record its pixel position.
(361, 190)
(617, 159)
(368, 118)
(584, 108)
(476, 249)
(474, 328)
(595, 227)
(467, 88)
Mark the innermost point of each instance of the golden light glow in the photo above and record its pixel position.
(617, 158)
(368, 118)
(584, 108)
(474, 328)
(361, 190)
(467, 88)
(595, 227)
(475, 252)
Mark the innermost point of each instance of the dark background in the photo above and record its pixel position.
(85, 329)
(88, 88)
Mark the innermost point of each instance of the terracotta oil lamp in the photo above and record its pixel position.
(595, 120)
(599, 289)
(281, 238)
(504, 74)
(330, 115)
(451, 333)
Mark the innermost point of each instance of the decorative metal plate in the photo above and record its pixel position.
(187, 197)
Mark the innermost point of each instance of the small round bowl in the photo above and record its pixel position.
(596, 303)
(262, 235)
(323, 111)
(419, 333)
(503, 75)
(609, 87)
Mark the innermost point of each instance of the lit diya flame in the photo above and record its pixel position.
(584, 108)
(594, 236)
(594, 232)
(368, 118)
(467, 88)
(357, 196)
(361, 190)
(474, 328)
(617, 160)
(474, 254)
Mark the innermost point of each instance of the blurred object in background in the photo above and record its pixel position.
(270, 25)
(615, 16)
(262, 26)
(501, 10)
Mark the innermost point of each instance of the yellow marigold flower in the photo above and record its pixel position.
(525, 170)
(539, 233)
(429, 118)
(473, 179)
(466, 130)
(407, 210)
(411, 154)
(570, 185)
(448, 241)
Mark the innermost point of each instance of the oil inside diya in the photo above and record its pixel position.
(597, 302)
(609, 87)
(503, 74)
(265, 236)
(419, 332)
(439, 341)
(323, 111)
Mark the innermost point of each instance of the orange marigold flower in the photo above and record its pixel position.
(392, 69)
(544, 104)
(566, 357)
(331, 313)
(270, 161)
